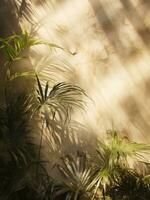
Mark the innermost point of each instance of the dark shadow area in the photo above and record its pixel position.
(108, 26)
(112, 30)
(134, 113)
(8, 25)
(146, 2)
(8, 19)
(137, 21)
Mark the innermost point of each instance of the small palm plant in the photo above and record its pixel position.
(53, 107)
(112, 156)
(76, 175)
(49, 106)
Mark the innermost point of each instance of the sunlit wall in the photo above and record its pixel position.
(110, 43)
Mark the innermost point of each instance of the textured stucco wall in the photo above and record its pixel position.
(110, 40)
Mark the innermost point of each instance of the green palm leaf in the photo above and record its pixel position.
(113, 155)
(13, 46)
(58, 99)
(76, 178)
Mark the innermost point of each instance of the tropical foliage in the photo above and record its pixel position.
(42, 116)
(76, 178)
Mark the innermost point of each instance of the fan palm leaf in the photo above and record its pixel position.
(76, 178)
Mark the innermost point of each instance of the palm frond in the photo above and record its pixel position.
(14, 45)
(120, 149)
(125, 148)
(17, 149)
(76, 178)
(15, 129)
(51, 68)
(59, 99)
(113, 155)
(25, 9)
